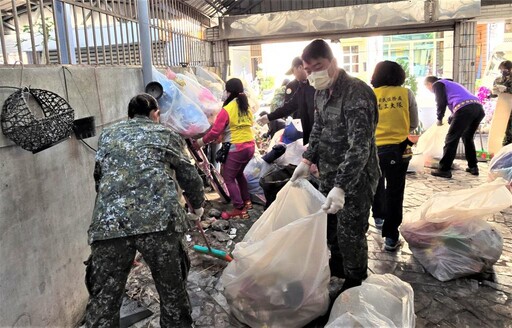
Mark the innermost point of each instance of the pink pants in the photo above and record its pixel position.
(233, 174)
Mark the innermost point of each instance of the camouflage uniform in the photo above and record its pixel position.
(137, 208)
(343, 144)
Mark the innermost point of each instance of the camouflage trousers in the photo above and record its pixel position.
(346, 234)
(107, 271)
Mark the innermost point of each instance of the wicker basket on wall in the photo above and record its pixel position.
(36, 119)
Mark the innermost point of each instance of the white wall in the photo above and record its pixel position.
(46, 199)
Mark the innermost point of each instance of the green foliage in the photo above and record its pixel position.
(410, 80)
(266, 82)
(39, 30)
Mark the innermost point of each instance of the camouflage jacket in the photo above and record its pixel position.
(135, 164)
(506, 81)
(342, 141)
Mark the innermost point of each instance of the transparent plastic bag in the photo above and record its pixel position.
(200, 95)
(179, 112)
(381, 301)
(430, 147)
(501, 165)
(254, 170)
(280, 272)
(447, 234)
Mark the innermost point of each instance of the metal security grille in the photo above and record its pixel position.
(100, 32)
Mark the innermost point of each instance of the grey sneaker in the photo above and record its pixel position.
(379, 223)
(391, 244)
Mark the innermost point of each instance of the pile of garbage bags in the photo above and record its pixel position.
(448, 234)
(381, 301)
(280, 272)
(178, 111)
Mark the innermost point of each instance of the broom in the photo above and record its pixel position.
(207, 250)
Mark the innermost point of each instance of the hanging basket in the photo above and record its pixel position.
(20, 124)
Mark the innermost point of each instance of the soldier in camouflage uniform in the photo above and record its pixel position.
(342, 143)
(137, 208)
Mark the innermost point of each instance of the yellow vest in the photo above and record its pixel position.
(394, 121)
(239, 129)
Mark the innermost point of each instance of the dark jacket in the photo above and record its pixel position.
(301, 105)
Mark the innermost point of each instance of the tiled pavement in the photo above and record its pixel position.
(484, 300)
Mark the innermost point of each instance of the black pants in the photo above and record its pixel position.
(110, 263)
(464, 125)
(389, 198)
(508, 132)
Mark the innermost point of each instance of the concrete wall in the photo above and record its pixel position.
(46, 199)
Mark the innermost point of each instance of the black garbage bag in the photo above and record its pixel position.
(275, 179)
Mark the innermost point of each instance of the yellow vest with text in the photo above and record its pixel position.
(394, 121)
(239, 129)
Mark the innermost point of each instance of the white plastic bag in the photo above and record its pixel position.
(280, 272)
(381, 301)
(430, 146)
(254, 170)
(501, 165)
(177, 111)
(448, 236)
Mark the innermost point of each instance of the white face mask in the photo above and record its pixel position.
(320, 80)
(225, 95)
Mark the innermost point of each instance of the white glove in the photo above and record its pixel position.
(501, 88)
(335, 201)
(301, 171)
(262, 120)
(196, 214)
(439, 122)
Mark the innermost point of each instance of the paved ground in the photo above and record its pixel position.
(483, 300)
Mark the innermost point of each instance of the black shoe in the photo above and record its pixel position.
(472, 170)
(441, 174)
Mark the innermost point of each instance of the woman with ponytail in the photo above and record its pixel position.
(234, 124)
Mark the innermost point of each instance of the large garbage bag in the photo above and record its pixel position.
(211, 81)
(460, 248)
(200, 95)
(280, 272)
(501, 165)
(448, 235)
(381, 301)
(179, 112)
(429, 149)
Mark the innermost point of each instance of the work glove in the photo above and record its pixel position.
(196, 214)
(335, 201)
(198, 144)
(501, 88)
(263, 120)
(301, 171)
(439, 122)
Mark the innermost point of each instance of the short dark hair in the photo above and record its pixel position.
(506, 64)
(142, 104)
(431, 79)
(317, 49)
(388, 73)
